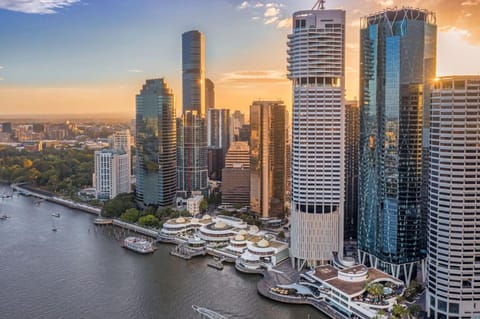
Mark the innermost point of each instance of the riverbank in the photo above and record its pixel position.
(263, 286)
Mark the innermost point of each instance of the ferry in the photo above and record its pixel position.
(138, 245)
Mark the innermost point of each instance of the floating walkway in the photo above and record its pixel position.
(184, 252)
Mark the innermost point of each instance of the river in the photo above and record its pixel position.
(82, 272)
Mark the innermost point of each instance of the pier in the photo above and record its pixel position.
(184, 252)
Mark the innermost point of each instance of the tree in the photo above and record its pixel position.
(149, 220)
(399, 311)
(130, 215)
(413, 311)
(281, 235)
(115, 207)
(203, 205)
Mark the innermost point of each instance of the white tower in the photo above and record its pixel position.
(454, 199)
(316, 55)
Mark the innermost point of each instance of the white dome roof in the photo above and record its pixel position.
(206, 216)
(239, 238)
(242, 232)
(263, 243)
(219, 225)
(254, 229)
(180, 220)
(194, 220)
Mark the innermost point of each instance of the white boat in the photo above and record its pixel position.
(138, 245)
(56, 215)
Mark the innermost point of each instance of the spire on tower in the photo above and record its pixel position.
(319, 5)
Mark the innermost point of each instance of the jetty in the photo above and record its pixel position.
(184, 252)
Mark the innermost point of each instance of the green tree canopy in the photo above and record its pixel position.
(130, 216)
(149, 220)
(115, 207)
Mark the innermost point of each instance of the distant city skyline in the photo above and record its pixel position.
(54, 62)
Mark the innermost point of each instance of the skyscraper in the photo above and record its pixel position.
(156, 144)
(236, 175)
(352, 124)
(316, 58)
(218, 140)
(268, 137)
(193, 72)
(397, 60)
(454, 199)
(112, 175)
(209, 94)
(121, 141)
(192, 166)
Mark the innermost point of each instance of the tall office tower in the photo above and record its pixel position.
(236, 175)
(238, 119)
(218, 140)
(209, 94)
(112, 175)
(397, 60)
(316, 57)
(193, 72)
(352, 133)
(156, 145)
(192, 166)
(268, 137)
(454, 199)
(7, 127)
(121, 141)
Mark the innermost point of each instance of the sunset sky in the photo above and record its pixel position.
(87, 56)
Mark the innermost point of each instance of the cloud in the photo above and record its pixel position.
(249, 77)
(272, 13)
(1, 67)
(135, 71)
(36, 6)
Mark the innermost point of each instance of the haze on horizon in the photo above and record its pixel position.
(77, 56)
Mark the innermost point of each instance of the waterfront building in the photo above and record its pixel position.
(112, 175)
(259, 251)
(316, 63)
(193, 204)
(397, 61)
(192, 154)
(346, 289)
(193, 72)
(454, 199)
(268, 137)
(209, 94)
(122, 141)
(156, 145)
(218, 140)
(236, 175)
(352, 134)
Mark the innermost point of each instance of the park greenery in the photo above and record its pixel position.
(63, 172)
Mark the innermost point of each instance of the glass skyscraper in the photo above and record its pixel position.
(156, 144)
(193, 71)
(397, 61)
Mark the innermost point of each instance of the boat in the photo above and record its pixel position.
(207, 313)
(56, 215)
(103, 221)
(3, 217)
(138, 245)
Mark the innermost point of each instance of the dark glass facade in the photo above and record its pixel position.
(352, 124)
(397, 60)
(156, 144)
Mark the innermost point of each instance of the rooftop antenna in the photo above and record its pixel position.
(319, 5)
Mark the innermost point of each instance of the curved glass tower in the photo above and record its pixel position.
(316, 55)
(156, 144)
(454, 199)
(397, 60)
(193, 69)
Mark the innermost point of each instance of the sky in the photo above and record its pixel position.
(92, 56)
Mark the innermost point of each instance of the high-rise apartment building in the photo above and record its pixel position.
(236, 175)
(268, 137)
(397, 61)
(156, 145)
(316, 62)
(352, 133)
(193, 72)
(454, 199)
(112, 175)
(238, 119)
(218, 140)
(209, 94)
(121, 141)
(192, 154)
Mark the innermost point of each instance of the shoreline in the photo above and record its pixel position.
(263, 285)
